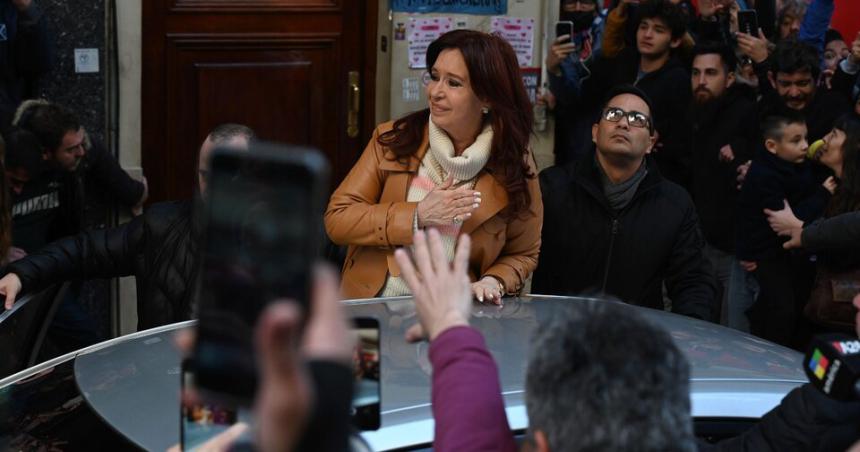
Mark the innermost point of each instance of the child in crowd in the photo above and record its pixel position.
(781, 173)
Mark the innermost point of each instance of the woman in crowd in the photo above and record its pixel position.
(841, 154)
(462, 166)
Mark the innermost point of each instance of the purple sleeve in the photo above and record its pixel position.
(467, 398)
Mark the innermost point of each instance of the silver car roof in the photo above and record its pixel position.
(734, 375)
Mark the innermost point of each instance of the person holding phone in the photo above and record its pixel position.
(578, 38)
(463, 165)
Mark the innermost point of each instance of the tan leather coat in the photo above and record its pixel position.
(369, 212)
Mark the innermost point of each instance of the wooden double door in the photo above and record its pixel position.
(296, 71)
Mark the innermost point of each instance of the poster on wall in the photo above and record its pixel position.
(484, 7)
(519, 32)
(531, 80)
(420, 33)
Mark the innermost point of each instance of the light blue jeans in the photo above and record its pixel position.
(743, 292)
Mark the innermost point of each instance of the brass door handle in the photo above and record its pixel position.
(353, 104)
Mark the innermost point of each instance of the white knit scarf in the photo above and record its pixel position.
(438, 164)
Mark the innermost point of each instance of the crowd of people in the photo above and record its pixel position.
(700, 168)
(735, 112)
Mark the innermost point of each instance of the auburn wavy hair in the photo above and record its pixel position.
(495, 78)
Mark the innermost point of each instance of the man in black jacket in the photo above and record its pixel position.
(613, 225)
(652, 66)
(723, 134)
(50, 204)
(788, 79)
(158, 248)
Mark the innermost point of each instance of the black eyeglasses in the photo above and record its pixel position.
(634, 118)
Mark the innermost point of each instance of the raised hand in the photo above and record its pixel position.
(442, 293)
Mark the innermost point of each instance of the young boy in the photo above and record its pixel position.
(781, 173)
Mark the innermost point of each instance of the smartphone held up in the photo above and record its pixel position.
(564, 28)
(263, 230)
(748, 22)
(263, 235)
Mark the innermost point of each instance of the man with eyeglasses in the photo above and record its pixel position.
(613, 225)
(652, 64)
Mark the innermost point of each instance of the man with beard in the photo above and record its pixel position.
(49, 204)
(566, 66)
(724, 131)
(792, 72)
(159, 248)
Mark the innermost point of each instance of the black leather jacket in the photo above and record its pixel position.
(158, 248)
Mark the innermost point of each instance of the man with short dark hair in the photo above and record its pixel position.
(159, 248)
(614, 225)
(651, 65)
(51, 204)
(723, 135)
(792, 72)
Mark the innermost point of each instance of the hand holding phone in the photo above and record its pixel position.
(563, 28)
(284, 404)
(748, 22)
(561, 47)
(263, 233)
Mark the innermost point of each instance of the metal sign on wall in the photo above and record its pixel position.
(485, 7)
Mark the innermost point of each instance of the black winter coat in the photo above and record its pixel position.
(731, 121)
(771, 180)
(841, 232)
(588, 247)
(805, 420)
(158, 248)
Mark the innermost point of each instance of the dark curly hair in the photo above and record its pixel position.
(670, 13)
(50, 123)
(727, 56)
(495, 78)
(791, 56)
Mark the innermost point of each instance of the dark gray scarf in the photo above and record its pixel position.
(619, 195)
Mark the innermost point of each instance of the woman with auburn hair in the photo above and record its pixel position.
(462, 166)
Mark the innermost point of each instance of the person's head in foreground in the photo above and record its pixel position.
(601, 377)
(228, 135)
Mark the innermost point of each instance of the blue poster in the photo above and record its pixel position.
(485, 7)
